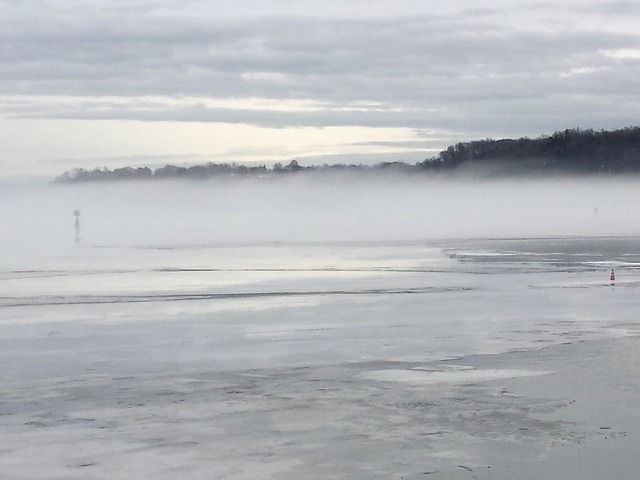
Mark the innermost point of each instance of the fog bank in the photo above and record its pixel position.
(312, 209)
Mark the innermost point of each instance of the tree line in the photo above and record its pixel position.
(568, 151)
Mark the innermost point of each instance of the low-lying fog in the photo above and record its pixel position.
(310, 208)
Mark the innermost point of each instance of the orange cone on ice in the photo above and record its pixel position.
(612, 277)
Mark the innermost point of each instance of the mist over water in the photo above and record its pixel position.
(312, 208)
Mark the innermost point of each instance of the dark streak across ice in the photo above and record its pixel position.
(113, 299)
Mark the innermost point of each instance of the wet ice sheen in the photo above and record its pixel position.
(302, 360)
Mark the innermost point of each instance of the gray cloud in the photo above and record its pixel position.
(471, 69)
(619, 7)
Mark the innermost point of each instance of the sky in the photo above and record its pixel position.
(111, 83)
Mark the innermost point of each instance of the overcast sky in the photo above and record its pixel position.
(93, 83)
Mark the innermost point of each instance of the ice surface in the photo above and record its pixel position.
(384, 353)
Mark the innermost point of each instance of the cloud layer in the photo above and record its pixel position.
(515, 68)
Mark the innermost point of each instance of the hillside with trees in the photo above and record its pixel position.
(569, 151)
(575, 151)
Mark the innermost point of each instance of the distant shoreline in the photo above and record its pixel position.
(568, 152)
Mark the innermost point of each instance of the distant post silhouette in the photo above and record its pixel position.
(76, 213)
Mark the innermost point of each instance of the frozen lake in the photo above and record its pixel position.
(364, 358)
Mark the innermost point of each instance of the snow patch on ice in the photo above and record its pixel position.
(448, 374)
